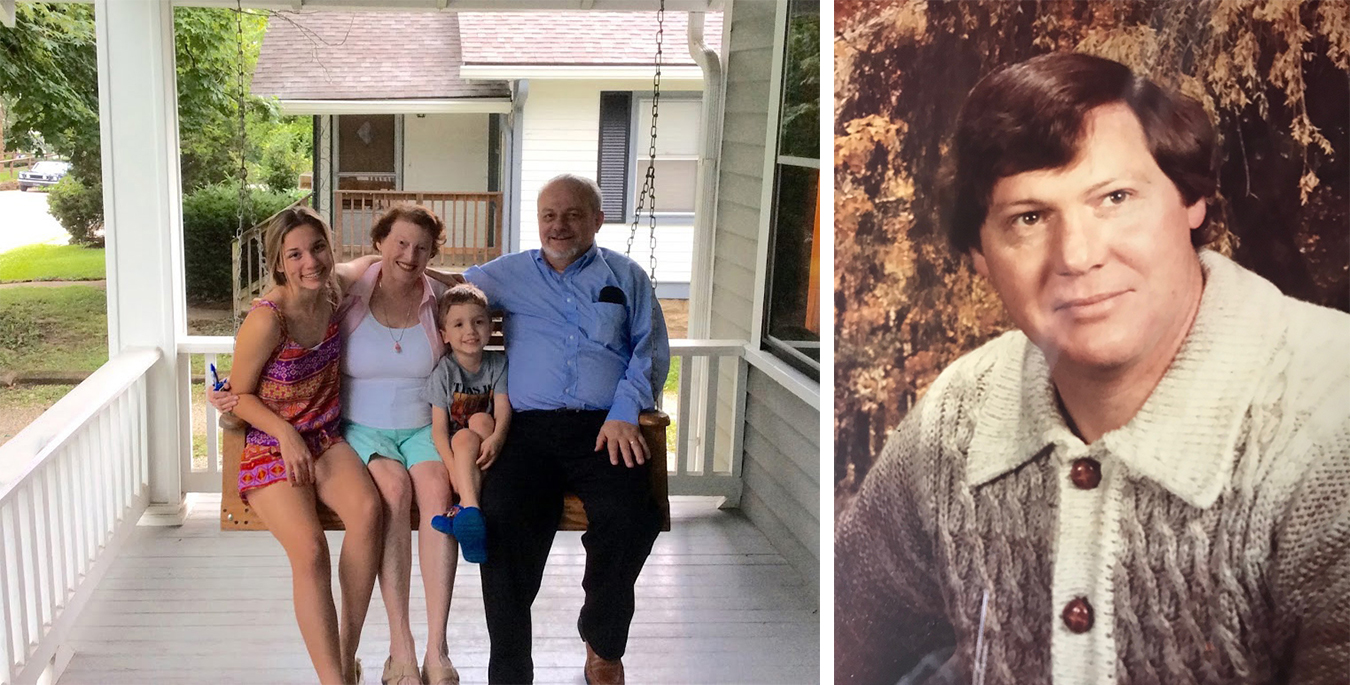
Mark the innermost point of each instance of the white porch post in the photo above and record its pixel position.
(138, 121)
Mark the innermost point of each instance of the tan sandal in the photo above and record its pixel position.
(439, 675)
(393, 673)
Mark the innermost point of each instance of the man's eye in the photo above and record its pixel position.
(1027, 219)
(1118, 196)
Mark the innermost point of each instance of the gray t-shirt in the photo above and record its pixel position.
(464, 394)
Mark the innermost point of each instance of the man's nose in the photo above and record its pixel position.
(1079, 242)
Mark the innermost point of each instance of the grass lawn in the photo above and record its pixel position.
(9, 174)
(53, 329)
(52, 263)
(21, 404)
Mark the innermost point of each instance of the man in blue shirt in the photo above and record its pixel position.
(587, 350)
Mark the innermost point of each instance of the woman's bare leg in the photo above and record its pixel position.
(439, 555)
(345, 486)
(395, 487)
(290, 516)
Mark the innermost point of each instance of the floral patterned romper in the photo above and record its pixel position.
(301, 385)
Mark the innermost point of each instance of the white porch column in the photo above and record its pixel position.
(138, 120)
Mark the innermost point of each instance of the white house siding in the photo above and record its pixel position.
(445, 152)
(561, 132)
(781, 447)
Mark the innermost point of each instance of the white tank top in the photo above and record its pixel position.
(382, 388)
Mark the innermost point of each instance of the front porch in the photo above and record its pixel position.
(716, 604)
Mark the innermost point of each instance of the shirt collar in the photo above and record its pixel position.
(1185, 436)
(582, 262)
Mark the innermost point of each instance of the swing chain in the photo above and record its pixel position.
(647, 196)
(240, 104)
(241, 139)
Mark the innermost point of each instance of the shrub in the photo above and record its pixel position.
(210, 220)
(79, 209)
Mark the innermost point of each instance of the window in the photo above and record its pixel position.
(625, 152)
(792, 297)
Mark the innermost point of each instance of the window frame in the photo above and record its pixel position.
(637, 152)
(787, 363)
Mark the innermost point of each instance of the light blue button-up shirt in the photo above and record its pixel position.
(566, 348)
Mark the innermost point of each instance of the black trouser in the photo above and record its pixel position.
(545, 455)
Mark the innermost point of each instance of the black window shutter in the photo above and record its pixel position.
(612, 175)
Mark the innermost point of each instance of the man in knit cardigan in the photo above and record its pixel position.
(1149, 482)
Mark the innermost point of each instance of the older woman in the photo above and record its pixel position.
(391, 346)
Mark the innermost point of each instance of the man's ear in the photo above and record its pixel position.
(981, 267)
(1195, 214)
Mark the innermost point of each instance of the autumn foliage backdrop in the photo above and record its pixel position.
(1272, 73)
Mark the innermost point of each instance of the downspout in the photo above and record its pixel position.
(705, 193)
(520, 92)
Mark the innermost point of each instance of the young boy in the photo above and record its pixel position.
(470, 411)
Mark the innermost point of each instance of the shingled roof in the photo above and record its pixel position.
(365, 56)
(405, 55)
(579, 38)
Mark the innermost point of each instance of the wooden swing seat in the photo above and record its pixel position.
(235, 515)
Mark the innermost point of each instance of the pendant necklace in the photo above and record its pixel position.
(398, 348)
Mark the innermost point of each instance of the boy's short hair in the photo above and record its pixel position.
(1030, 116)
(464, 293)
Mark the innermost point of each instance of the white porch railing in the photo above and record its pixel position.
(72, 486)
(706, 414)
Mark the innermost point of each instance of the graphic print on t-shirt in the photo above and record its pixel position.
(466, 402)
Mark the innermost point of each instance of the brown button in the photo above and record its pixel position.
(1085, 473)
(1078, 615)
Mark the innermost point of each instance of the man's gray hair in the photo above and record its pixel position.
(590, 186)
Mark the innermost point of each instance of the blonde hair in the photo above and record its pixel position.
(283, 223)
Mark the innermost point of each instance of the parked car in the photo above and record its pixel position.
(43, 174)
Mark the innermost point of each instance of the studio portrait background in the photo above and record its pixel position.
(1272, 75)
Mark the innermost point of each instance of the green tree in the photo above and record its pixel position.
(49, 76)
(49, 79)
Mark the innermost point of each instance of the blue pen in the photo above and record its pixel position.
(216, 383)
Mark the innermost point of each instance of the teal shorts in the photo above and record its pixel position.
(407, 446)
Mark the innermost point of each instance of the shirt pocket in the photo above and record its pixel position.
(610, 327)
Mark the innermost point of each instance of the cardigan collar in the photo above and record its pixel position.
(1185, 435)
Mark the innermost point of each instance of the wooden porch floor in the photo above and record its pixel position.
(190, 604)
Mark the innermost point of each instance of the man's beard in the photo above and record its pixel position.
(564, 255)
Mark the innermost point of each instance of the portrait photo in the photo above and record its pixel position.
(1091, 276)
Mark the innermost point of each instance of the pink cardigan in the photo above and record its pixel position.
(357, 303)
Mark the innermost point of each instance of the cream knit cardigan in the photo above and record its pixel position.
(1216, 548)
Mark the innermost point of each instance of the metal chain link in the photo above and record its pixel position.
(241, 140)
(240, 102)
(647, 196)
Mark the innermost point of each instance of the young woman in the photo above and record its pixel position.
(287, 376)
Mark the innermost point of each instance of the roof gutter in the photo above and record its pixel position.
(410, 106)
(705, 193)
(690, 75)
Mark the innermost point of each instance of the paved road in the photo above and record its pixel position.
(24, 221)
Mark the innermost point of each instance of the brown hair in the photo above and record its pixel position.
(414, 214)
(464, 293)
(284, 222)
(1030, 115)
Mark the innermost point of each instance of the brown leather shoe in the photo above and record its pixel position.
(602, 671)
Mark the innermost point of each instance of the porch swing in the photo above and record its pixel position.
(236, 515)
